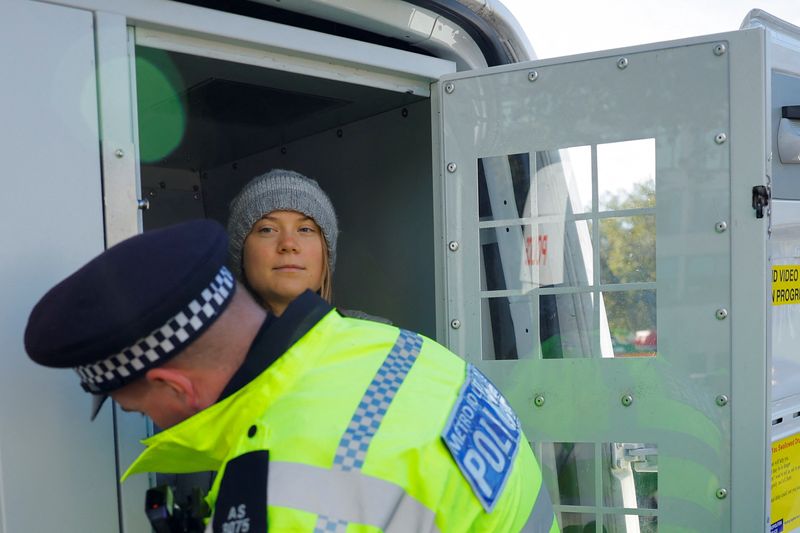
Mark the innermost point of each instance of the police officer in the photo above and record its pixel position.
(313, 421)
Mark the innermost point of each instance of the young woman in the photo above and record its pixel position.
(283, 233)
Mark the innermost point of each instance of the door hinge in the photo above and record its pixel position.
(636, 456)
(760, 199)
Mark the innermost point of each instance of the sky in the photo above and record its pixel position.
(564, 27)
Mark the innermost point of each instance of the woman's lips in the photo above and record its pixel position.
(289, 268)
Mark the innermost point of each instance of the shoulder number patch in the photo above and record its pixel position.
(483, 435)
(242, 501)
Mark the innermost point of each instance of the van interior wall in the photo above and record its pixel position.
(377, 172)
(174, 193)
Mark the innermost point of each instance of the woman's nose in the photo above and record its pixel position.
(287, 243)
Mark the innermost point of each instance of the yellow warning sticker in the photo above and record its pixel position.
(785, 284)
(784, 512)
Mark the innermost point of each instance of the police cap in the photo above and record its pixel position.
(133, 307)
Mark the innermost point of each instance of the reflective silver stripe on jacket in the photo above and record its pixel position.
(364, 424)
(541, 517)
(340, 497)
(330, 525)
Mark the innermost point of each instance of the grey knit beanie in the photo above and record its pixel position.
(275, 191)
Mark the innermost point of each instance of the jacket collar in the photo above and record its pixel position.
(276, 335)
(202, 442)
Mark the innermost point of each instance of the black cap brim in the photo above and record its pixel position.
(97, 402)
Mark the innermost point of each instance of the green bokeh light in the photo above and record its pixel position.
(162, 112)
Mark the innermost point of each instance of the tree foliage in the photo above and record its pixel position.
(628, 255)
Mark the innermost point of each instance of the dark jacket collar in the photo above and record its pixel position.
(276, 335)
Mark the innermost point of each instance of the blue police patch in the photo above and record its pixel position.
(483, 435)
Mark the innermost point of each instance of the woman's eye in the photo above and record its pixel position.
(265, 229)
(306, 229)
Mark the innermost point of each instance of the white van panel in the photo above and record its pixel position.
(190, 29)
(57, 469)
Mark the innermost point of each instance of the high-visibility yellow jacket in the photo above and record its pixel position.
(340, 424)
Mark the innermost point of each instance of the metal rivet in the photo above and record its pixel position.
(449, 88)
(627, 400)
(533, 75)
(722, 494)
(339, 133)
(720, 49)
(722, 400)
(622, 63)
(721, 226)
(539, 400)
(453, 245)
(451, 167)
(119, 152)
(721, 313)
(720, 138)
(455, 323)
(143, 204)
(404, 112)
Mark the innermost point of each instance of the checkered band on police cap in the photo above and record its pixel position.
(162, 343)
(135, 306)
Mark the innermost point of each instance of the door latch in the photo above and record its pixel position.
(760, 199)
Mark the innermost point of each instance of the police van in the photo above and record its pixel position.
(613, 237)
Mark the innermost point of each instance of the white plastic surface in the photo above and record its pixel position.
(783, 37)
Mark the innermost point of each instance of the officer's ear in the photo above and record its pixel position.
(176, 383)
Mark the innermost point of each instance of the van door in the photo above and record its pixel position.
(601, 262)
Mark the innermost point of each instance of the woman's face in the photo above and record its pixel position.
(282, 257)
